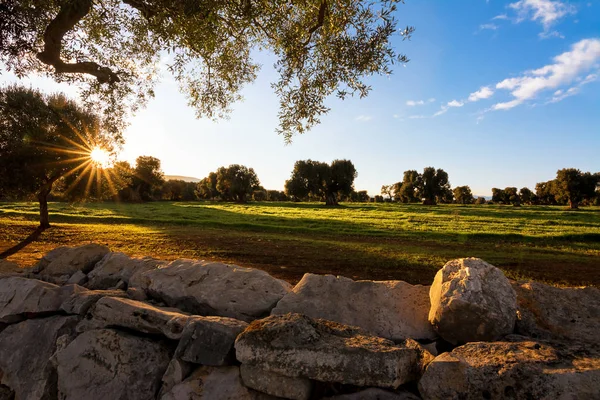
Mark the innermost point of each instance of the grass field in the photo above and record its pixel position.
(361, 241)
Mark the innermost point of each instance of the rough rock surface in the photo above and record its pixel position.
(471, 301)
(67, 261)
(222, 383)
(391, 309)
(107, 364)
(209, 288)
(298, 346)
(82, 299)
(519, 368)
(9, 268)
(548, 312)
(209, 340)
(48, 258)
(275, 384)
(139, 317)
(176, 372)
(115, 267)
(22, 297)
(376, 394)
(25, 351)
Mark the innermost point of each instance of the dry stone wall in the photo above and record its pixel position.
(87, 323)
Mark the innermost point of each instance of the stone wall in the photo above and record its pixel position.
(87, 323)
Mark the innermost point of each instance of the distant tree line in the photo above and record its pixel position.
(571, 186)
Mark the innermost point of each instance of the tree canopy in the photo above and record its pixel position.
(112, 49)
(321, 180)
(43, 139)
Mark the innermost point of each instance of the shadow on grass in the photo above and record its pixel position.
(35, 235)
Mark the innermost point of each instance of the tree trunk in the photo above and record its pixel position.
(43, 199)
(331, 199)
(573, 205)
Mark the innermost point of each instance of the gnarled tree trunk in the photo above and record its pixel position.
(43, 200)
(331, 199)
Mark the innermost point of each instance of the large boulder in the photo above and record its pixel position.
(471, 301)
(59, 265)
(275, 384)
(108, 364)
(9, 268)
(548, 312)
(295, 345)
(391, 309)
(25, 352)
(116, 267)
(210, 383)
(209, 340)
(138, 316)
(22, 298)
(518, 368)
(209, 288)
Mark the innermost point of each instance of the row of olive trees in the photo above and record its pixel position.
(430, 187)
(571, 186)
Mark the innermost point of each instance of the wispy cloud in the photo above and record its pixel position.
(455, 103)
(567, 67)
(412, 103)
(489, 26)
(417, 116)
(501, 16)
(545, 12)
(483, 93)
(363, 118)
(563, 94)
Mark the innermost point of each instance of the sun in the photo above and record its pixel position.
(100, 157)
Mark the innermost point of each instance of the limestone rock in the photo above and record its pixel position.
(136, 294)
(391, 309)
(208, 383)
(81, 301)
(115, 267)
(471, 301)
(22, 298)
(548, 312)
(25, 351)
(518, 368)
(209, 288)
(78, 278)
(69, 261)
(209, 340)
(139, 316)
(298, 346)
(376, 394)
(275, 384)
(107, 364)
(48, 258)
(176, 372)
(9, 268)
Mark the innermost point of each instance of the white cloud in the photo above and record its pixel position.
(443, 110)
(492, 27)
(562, 94)
(363, 118)
(431, 100)
(567, 67)
(551, 34)
(455, 103)
(546, 12)
(417, 116)
(413, 103)
(501, 16)
(483, 93)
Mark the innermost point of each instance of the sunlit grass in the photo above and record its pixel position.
(367, 241)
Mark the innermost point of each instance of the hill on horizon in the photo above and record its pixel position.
(182, 178)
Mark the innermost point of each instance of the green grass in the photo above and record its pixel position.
(363, 241)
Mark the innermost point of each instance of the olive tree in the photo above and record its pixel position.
(112, 50)
(43, 139)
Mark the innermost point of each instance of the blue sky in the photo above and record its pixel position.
(497, 93)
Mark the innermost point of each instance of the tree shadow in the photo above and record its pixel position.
(35, 235)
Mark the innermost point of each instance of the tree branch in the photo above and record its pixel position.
(66, 19)
(320, 21)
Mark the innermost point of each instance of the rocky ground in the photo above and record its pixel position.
(88, 323)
